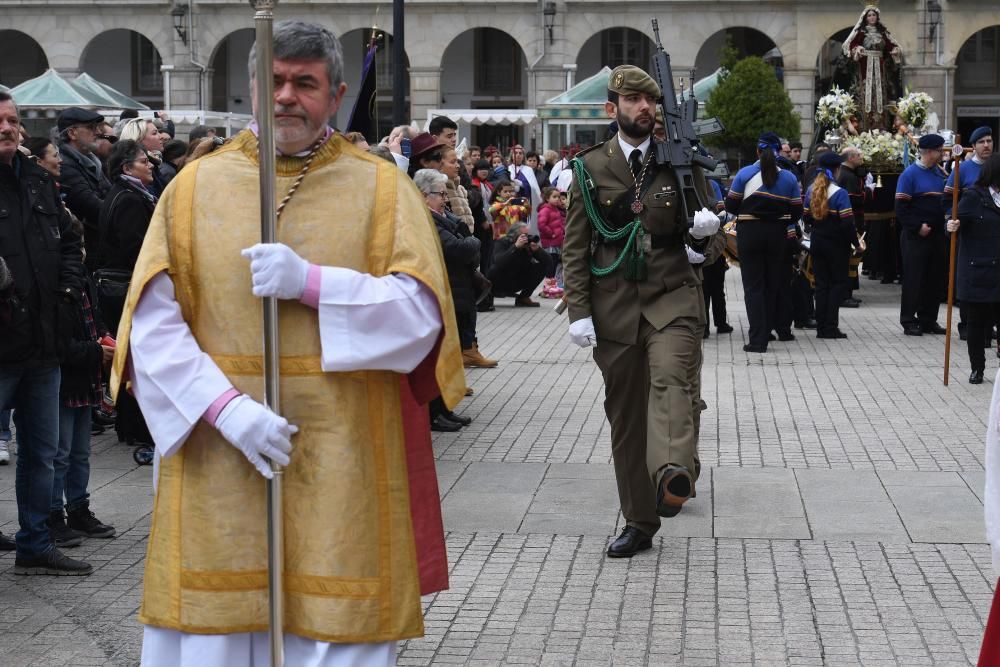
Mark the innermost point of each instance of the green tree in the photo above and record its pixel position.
(750, 100)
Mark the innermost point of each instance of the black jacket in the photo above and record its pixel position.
(82, 356)
(978, 268)
(124, 219)
(44, 255)
(83, 190)
(511, 263)
(854, 183)
(461, 255)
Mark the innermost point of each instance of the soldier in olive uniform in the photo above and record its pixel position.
(633, 293)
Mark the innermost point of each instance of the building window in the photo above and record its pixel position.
(498, 63)
(147, 78)
(624, 46)
(978, 61)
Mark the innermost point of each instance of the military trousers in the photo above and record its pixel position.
(653, 402)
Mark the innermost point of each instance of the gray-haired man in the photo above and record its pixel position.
(362, 286)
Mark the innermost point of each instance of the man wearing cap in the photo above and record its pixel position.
(633, 293)
(82, 181)
(981, 140)
(920, 213)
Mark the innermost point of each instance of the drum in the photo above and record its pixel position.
(730, 251)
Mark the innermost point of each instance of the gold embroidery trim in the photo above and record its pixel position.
(305, 584)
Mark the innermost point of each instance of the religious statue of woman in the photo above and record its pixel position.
(870, 45)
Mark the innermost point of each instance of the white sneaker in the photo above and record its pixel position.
(4, 454)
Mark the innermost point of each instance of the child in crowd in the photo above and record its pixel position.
(506, 209)
(552, 230)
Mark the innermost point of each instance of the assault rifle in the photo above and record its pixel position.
(679, 149)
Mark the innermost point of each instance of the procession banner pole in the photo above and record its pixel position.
(957, 152)
(264, 25)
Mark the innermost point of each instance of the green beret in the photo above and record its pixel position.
(627, 79)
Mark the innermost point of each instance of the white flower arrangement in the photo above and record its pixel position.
(914, 110)
(883, 151)
(834, 108)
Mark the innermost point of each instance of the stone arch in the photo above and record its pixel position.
(748, 41)
(977, 81)
(21, 58)
(229, 89)
(103, 55)
(618, 45)
(832, 66)
(485, 67)
(958, 33)
(587, 27)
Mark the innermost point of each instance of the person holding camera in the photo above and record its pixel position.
(519, 265)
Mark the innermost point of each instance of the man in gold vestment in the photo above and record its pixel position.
(366, 338)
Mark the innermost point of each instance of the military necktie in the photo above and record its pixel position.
(635, 163)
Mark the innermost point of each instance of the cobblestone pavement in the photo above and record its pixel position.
(838, 521)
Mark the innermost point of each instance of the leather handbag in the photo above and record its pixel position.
(111, 288)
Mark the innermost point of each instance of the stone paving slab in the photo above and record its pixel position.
(838, 518)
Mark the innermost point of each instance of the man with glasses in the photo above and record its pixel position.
(83, 183)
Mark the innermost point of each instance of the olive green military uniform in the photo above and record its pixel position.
(649, 331)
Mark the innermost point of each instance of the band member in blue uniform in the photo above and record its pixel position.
(920, 212)
(765, 199)
(829, 213)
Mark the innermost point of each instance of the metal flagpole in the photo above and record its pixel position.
(264, 24)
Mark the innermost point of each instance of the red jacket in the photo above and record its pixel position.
(551, 225)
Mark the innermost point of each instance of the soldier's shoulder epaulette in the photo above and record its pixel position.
(590, 149)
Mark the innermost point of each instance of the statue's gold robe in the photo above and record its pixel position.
(350, 554)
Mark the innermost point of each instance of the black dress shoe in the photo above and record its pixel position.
(629, 543)
(451, 416)
(933, 328)
(850, 302)
(444, 425)
(724, 328)
(807, 324)
(785, 337)
(912, 330)
(754, 348)
(976, 377)
(771, 338)
(6, 543)
(676, 487)
(833, 334)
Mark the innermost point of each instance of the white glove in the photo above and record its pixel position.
(706, 223)
(582, 332)
(277, 271)
(694, 257)
(257, 432)
(952, 225)
(870, 181)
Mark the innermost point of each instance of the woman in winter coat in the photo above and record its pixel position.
(126, 211)
(461, 256)
(978, 267)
